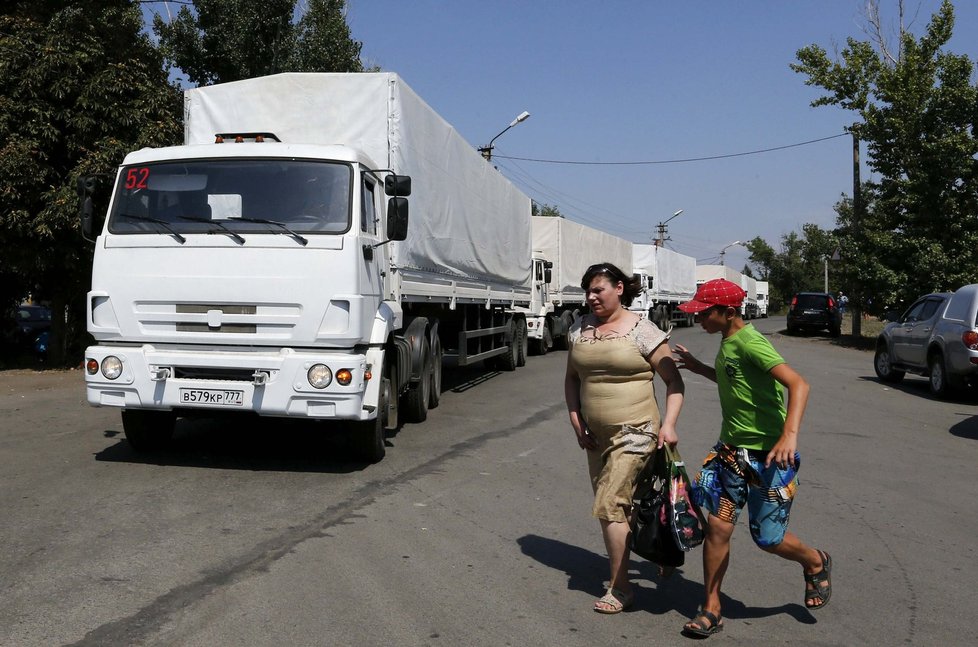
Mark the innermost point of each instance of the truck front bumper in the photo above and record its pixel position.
(269, 383)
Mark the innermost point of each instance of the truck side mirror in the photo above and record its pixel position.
(86, 207)
(397, 218)
(397, 185)
(548, 275)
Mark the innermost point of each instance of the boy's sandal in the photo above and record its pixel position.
(614, 601)
(704, 624)
(821, 591)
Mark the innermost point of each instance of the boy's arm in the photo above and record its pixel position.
(783, 452)
(693, 365)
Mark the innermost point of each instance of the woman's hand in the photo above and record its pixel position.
(667, 434)
(584, 438)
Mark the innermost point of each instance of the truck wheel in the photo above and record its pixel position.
(416, 398)
(508, 361)
(939, 384)
(367, 438)
(522, 338)
(543, 346)
(561, 341)
(148, 431)
(884, 369)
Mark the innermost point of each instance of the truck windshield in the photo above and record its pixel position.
(241, 195)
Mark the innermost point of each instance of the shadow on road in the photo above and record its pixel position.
(244, 443)
(967, 428)
(588, 571)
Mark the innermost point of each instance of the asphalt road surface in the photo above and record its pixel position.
(476, 528)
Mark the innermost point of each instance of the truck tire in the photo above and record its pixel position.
(437, 356)
(508, 361)
(148, 431)
(367, 439)
(544, 344)
(522, 339)
(416, 398)
(561, 341)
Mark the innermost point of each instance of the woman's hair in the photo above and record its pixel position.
(632, 283)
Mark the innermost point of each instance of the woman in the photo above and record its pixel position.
(613, 357)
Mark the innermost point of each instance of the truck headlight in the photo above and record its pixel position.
(111, 367)
(319, 376)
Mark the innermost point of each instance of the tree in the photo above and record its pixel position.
(82, 85)
(546, 210)
(262, 38)
(761, 255)
(917, 228)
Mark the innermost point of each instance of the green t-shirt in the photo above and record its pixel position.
(751, 399)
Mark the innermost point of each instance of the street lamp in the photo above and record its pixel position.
(724, 250)
(487, 150)
(660, 241)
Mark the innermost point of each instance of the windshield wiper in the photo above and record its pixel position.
(156, 221)
(299, 237)
(233, 234)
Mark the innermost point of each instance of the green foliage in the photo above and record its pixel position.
(547, 210)
(799, 265)
(82, 85)
(229, 40)
(916, 230)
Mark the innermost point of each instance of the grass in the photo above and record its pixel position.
(870, 330)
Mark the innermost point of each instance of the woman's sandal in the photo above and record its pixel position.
(821, 584)
(614, 601)
(704, 624)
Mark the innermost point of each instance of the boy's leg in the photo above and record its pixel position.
(716, 559)
(793, 549)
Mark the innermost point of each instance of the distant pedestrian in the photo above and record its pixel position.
(843, 302)
(755, 462)
(608, 386)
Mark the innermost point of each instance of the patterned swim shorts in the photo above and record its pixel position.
(732, 477)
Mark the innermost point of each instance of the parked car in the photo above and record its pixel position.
(937, 337)
(814, 311)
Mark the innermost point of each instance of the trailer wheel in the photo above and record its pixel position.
(508, 360)
(148, 431)
(367, 439)
(522, 339)
(416, 398)
(434, 397)
(561, 341)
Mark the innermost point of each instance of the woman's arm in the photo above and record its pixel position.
(572, 396)
(663, 364)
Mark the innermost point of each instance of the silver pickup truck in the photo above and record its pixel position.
(937, 337)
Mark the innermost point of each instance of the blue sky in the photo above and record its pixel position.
(615, 81)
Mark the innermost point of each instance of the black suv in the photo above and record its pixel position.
(814, 311)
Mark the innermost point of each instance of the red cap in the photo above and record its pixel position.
(718, 292)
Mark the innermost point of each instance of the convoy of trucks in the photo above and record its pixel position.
(562, 251)
(749, 309)
(668, 279)
(268, 265)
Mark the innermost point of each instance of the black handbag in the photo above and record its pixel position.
(652, 536)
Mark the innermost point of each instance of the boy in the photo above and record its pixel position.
(754, 462)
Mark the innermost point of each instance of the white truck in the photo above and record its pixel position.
(259, 267)
(562, 251)
(669, 278)
(763, 298)
(708, 272)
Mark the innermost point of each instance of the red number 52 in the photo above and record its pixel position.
(136, 178)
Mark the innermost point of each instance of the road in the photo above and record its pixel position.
(476, 528)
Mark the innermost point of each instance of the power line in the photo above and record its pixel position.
(676, 161)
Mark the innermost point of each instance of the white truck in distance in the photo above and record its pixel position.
(706, 273)
(669, 278)
(763, 298)
(268, 274)
(562, 251)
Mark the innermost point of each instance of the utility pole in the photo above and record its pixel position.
(660, 240)
(857, 205)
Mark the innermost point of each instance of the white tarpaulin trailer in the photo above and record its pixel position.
(467, 220)
(572, 248)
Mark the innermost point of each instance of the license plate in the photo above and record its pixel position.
(218, 397)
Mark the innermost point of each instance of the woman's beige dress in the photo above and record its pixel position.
(618, 405)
